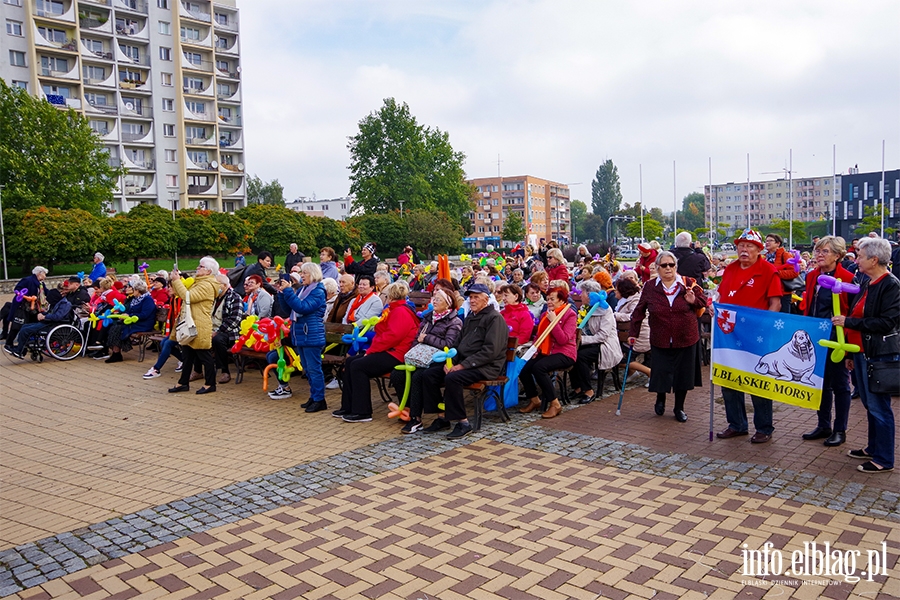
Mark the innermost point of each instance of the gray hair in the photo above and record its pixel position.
(313, 270)
(519, 271)
(397, 291)
(382, 275)
(660, 256)
(835, 243)
(140, 286)
(38, 270)
(879, 248)
(683, 240)
(589, 285)
(331, 286)
(100, 256)
(208, 262)
(223, 279)
(487, 281)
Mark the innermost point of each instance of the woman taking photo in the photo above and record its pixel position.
(874, 324)
(203, 293)
(674, 357)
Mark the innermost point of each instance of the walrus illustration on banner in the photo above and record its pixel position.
(794, 361)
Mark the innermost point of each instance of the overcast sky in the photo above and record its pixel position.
(556, 87)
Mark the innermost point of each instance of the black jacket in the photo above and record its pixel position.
(482, 342)
(880, 323)
(293, 259)
(692, 263)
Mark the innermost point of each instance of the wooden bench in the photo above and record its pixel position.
(420, 300)
(144, 339)
(493, 388)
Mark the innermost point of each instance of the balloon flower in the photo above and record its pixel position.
(837, 287)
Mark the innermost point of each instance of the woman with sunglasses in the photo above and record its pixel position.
(672, 301)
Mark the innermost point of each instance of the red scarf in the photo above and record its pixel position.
(542, 326)
(359, 301)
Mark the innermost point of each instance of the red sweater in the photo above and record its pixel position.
(520, 321)
(395, 334)
(670, 326)
(558, 272)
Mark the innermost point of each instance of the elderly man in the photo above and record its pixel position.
(61, 312)
(753, 282)
(346, 295)
(98, 272)
(77, 295)
(691, 262)
(480, 355)
(294, 257)
(34, 287)
(226, 322)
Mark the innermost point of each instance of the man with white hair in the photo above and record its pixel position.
(99, 270)
(34, 287)
(691, 263)
(294, 257)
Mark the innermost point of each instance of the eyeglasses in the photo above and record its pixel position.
(823, 251)
(666, 265)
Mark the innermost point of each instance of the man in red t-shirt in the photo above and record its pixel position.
(750, 281)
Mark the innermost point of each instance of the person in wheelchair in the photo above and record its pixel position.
(61, 312)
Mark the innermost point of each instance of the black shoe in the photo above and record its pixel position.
(460, 431)
(587, 399)
(859, 454)
(114, 358)
(307, 403)
(817, 434)
(206, 390)
(357, 418)
(412, 426)
(7, 348)
(179, 388)
(660, 407)
(680, 416)
(15, 354)
(316, 406)
(855, 394)
(438, 424)
(837, 438)
(340, 413)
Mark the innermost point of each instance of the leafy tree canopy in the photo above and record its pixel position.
(578, 212)
(275, 228)
(691, 216)
(871, 221)
(433, 232)
(50, 157)
(653, 229)
(393, 159)
(260, 192)
(146, 231)
(606, 193)
(47, 236)
(513, 227)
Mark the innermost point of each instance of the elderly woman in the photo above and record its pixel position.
(440, 329)
(382, 280)
(394, 335)
(34, 287)
(516, 314)
(98, 271)
(817, 302)
(672, 301)
(141, 306)
(331, 295)
(778, 256)
(416, 280)
(647, 256)
(557, 351)
(542, 280)
(307, 335)
(365, 267)
(556, 265)
(599, 340)
(366, 304)
(257, 301)
(199, 300)
(874, 324)
(534, 300)
(328, 263)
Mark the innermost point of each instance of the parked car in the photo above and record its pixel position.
(628, 253)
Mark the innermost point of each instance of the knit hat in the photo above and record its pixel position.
(370, 247)
(645, 247)
(750, 236)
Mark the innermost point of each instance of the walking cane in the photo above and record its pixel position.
(624, 381)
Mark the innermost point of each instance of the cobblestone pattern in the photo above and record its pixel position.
(35, 563)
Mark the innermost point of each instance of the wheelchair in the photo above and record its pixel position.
(62, 341)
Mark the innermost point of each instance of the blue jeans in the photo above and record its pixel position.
(835, 390)
(311, 361)
(736, 412)
(879, 414)
(28, 330)
(167, 348)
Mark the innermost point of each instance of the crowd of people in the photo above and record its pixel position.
(585, 319)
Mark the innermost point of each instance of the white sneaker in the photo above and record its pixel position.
(179, 366)
(333, 384)
(280, 393)
(151, 373)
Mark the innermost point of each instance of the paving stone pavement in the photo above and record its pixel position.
(50, 567)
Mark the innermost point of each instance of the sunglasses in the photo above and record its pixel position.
(667, 265)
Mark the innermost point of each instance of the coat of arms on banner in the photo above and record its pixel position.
(725, 319)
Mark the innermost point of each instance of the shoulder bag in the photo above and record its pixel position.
(185, 329)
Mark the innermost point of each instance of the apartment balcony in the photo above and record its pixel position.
(143, 184)
(193, 14)
(143, 137)
(133, 85)
(133, 30)
(142, 60)
(109, 82)
(206, 42)
(97, 2)
(106, 109)
(237, 191)
(65, 44)
(115, 162)
(131, 110)
(200, 141)
(133, 164)
(92, 55)
(206, 93)
(201, 65)
(50, 11)
(237, 169)
(211, 189)
(138, 6)
(233, 143)
(232, 97)
(229, 49)
(204, 117)
(71, 74)
(63, 102)
(108, 134)
(232, 121)
(95, 25)
(233, 73)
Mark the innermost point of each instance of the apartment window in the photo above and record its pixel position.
(130, 75)
(95, 46)
(168, 105)
(190, 33)
(20, 84)
(827, 192)
(172, 181)
(170, 156)
(194, 84)
(198, 133)
(168, 130)
(16, 58)
(223, 89)
(198, 108)
(199, 157)
(51, 64)
(165, 53)
(96, 99)
(193, 57)
(48, 7)
(14, 27)
(94, 73)
(494, 188)
(166, 78)
(222, 65)
(99, 127)
(13, 2)
(228, 184)
(165, 28)
(343, 206)
(132, 52)
(221, 19)
(163, 4)
(56, 90)
(53, 35)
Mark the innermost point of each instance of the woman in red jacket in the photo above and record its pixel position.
(516, 313)
(648, 257)
(672, 301)
(556, 265)
(394, 335)
(557, 351)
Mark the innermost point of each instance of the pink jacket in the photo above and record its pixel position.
(520, 322)
(562, 337)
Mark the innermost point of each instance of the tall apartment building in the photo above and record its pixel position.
(160, 83)
(770, 200)
(861, 191)
(542, 204)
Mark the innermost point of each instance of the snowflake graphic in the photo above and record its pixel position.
(743, 319)
(779, 324)
(759, 339)
(824, 325)
(739, 343)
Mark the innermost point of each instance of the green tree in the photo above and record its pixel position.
(336, 234)
(393, 159)
(606, 194)
(260, 192)
(513, 227)
(197, 234)
(47, 236)
(653, 229)
(691, 216)
(872, 220)
(146, 231)
(387, 231)
(234, 233)
(275, 228)
(593, 228)
(51, 157)
(783, 228)
(578, 212)
(432, 232)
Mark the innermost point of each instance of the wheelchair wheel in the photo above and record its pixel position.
(64, 342)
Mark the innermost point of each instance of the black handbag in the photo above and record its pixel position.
(884, 377)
